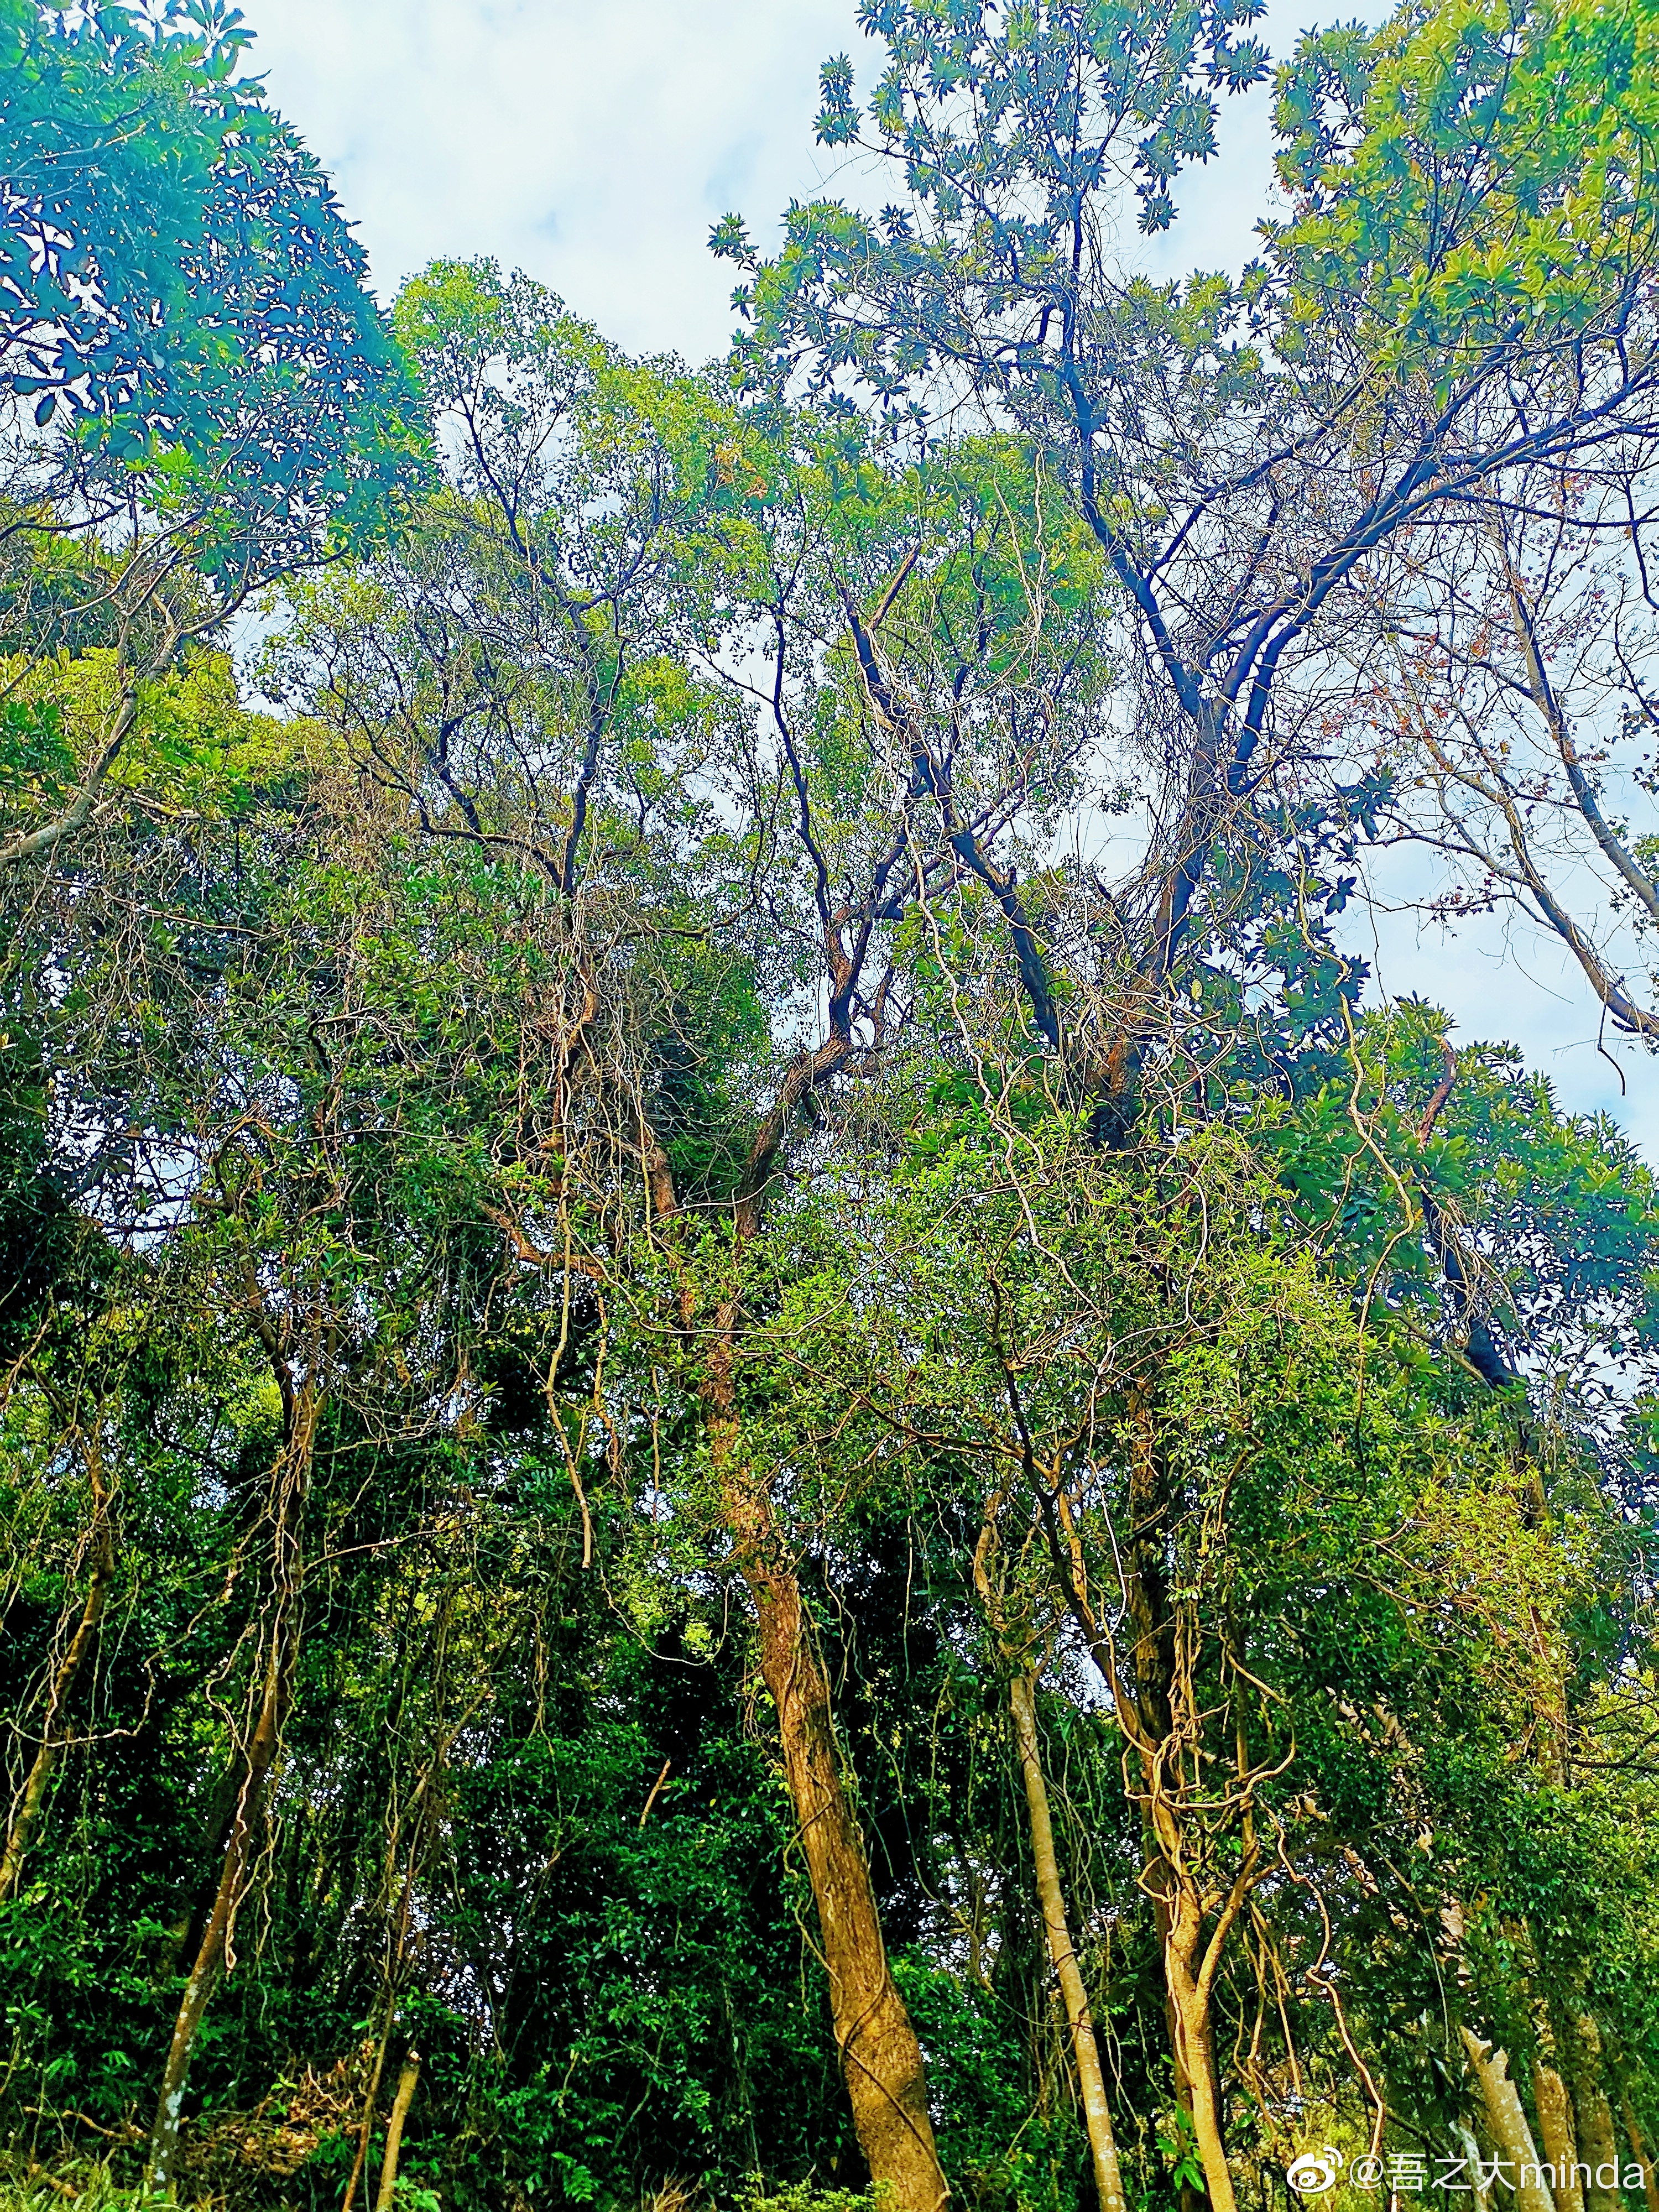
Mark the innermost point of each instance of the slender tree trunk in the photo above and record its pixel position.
(1555, 2126)
(1598, 2148)
(54, 1727)
(399, 1920)
(1145, 1701)
(407, 2078)
(1506, 2121)
(366, 2125)
(881, 2059)
(1178, 1908)
(1102, 2146)
(211, 1957)
(290, 1479)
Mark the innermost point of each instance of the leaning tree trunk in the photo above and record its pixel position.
(1091, 2084)
(54, 1726)
(290, 1478)
(407, 2079)
(880, 2057)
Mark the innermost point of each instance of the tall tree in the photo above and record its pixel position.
(1461, 291)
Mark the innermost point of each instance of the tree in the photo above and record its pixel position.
(603, 517)
(216, 402)
(1256, 456)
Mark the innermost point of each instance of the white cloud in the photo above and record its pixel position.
(592, 145)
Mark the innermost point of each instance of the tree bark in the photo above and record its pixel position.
(1598, 2148)
(407, 2078)
(290, 1479)
(1555, 2126)
(366, 2125)
(881, 2059)
(53, 1728)
(1102, 2145)
(1146, 1702)
(1471, 2150)
(1189, 1964)
(1507, 2123)
(1188, 1982)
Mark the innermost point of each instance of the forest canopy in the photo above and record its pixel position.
(763, 1441)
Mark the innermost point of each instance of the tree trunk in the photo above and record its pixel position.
(399, 1920)
(289, 1480)
(1190, 2198)
(366, 2125)
(1146, 1702)
(881, 2059)
(1506, 2121)
(1597, 2147)
(1188, 1963)
(410, 2075)
(1102, 2146)
(1189, 1996)
(53, 1726)
(1555, 2126)
(1471, 2150)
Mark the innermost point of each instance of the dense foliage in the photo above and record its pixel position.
(760, 1443)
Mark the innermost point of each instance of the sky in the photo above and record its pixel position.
(593, 143)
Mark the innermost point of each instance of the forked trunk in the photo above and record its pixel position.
(366, 2125)
(1079, 2020)
(1145, 1697)
(1188, 1963)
